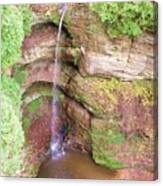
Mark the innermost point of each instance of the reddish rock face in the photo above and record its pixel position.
(39, 133)
(137, 122)
(135, 174)
(40, 8)
(119, 132)
(136, 118)
(40, 44)
(43, 71)
(36, 123)
(126, 138)
(79, 120)
(40, 36)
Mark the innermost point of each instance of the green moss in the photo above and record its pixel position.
(12, 135)
(101, 96)
(108, 130)
(113, 137)
(137, 88)
(126, 18)
(37, 90)
(110, 162)
(16, 22)
(26, 123)
(145, 90)
(11, 89)
(34, 105)
(27, 18)
(54, 17)
(12, 35)
(108, 87)
(103, 134)
(20, 75)
(92, 105)
(76, 53)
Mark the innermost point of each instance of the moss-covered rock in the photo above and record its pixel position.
(112, 148)
(26, 123)
(34, 105)
(12, 135)
(36, 91)
(125, 134)
(16, 22)
(103, 136)
(101, 96)
(20, 75)
(27, 16)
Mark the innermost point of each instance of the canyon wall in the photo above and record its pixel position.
(107, 90)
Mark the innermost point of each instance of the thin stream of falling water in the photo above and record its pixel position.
(56, 139)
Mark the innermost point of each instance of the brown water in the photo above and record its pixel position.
(74, 165)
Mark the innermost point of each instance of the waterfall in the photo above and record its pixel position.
(56, 139)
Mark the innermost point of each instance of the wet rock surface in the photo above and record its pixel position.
(78, 137)
(40, 45)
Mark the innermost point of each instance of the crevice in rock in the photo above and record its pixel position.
(130, 49)
(71, 97)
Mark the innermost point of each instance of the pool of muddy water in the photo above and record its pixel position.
(75, 165)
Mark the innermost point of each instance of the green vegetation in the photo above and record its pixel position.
(15, 24)
(137, 88)
(12, 136)
(26, 123)
(108, 88)
(55, 18)
(90, 102)
(27, 18)
(105, 134)
(101, 96)
(127, 18)
(20, 75)
(145, 90)
(113, 136)
(34, 105)
(11, 89)
(108, 162)
(12, 35)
